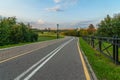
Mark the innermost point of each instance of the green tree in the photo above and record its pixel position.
(91, 29)
(4, 31)
(83, 32)
(13, 32)
(105, 26)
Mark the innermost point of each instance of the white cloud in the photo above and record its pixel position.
(56, 9)
(57, 1)
(40, 21)
(63, 4)
(65, 25)
(66, 1)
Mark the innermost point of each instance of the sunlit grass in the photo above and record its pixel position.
(103, 67)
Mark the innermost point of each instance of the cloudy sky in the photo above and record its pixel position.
(67, 13)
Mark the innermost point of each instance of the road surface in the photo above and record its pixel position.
(58, 61)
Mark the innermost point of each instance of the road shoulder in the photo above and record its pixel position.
(90, 75)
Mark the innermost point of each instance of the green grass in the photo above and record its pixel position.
(110, 49)
(45, 38)
(48, 36)
(13, 45)
(42, 37)
(103, 67)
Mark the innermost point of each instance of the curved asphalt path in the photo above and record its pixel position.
(63, 63)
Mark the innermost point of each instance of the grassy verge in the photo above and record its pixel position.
(110, 49)
(42, 37)
(102, 66)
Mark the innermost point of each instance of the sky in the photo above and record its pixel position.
(66, 13)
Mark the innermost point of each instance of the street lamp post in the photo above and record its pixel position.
(57, 31)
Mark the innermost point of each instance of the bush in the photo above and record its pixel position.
(12, 32)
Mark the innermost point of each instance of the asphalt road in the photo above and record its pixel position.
(58, 61)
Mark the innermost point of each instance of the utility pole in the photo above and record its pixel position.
(57, 31)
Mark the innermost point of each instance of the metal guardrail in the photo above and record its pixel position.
(99, 44)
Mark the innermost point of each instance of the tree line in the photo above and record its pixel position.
(12, 32)
(81, 32)
(108, 27)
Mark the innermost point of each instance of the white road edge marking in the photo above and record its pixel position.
(34, 71)
(49, 56)
(29, 69)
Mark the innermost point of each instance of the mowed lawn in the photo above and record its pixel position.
(42, 37)
(103, 67)
(48, 36)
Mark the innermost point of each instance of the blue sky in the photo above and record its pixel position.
(68, 13)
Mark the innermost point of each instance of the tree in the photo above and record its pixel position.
(4, 31)
(13, 32)
(109, 26)
(71, 33)
(83, 32)
(91, 29)
(116, 25)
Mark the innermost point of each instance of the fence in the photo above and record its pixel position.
(109, 46)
